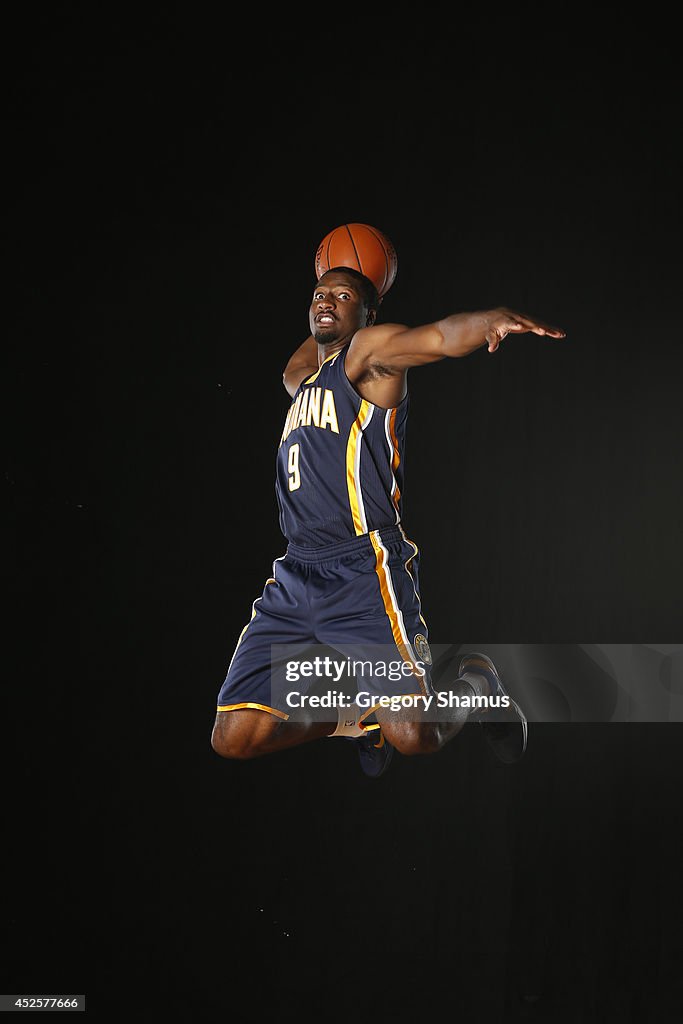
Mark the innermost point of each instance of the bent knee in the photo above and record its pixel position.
(232, 747)
(413, 738)
(237, 736)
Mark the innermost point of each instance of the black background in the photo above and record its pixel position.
(170, 178)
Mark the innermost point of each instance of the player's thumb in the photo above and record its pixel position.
(493, 340)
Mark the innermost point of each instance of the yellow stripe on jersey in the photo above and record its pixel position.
(391, 607)
(392, 428)
(408, 565)
(395, 458)
(353, 467)
(315, 375)
(257, 707)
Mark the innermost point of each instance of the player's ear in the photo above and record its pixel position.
(371, 317)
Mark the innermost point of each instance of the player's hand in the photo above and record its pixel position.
(502, 322)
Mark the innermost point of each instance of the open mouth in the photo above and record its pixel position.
(325, 319)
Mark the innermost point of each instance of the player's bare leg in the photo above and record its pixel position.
(506, 730)
(248, 733)
(413, 733)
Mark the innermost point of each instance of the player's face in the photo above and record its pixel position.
(337, 310)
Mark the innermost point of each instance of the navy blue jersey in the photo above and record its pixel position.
(339, 470)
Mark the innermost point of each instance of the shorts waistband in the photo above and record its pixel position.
(314, 556)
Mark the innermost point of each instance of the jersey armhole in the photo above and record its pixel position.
(359, 398)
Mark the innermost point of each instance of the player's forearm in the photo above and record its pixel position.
(397, 348)
(462, 333)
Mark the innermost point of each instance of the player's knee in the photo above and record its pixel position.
(232, 738)
(231, 747)
(413, 738)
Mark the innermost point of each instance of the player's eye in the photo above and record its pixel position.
(344, 295)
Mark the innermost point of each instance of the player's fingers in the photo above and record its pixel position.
(518, 323)
(527, 323)
(536, 328)
(552, 332)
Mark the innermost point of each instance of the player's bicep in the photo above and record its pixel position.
(398, 348)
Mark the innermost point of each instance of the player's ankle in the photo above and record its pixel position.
(479, 684)
(468, 695)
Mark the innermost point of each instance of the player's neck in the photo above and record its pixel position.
(325, 351)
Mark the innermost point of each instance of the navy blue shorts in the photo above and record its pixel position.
(360, 599)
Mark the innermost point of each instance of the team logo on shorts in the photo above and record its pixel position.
(422, 649)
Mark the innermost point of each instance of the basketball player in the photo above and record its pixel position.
(349, 578)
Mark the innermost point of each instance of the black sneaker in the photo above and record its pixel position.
(375, 752)
(507, 730)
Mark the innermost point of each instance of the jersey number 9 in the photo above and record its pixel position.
(293, 468)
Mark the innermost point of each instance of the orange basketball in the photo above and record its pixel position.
(362, 247)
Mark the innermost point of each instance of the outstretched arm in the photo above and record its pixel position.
(302, 364)
(395, 347)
